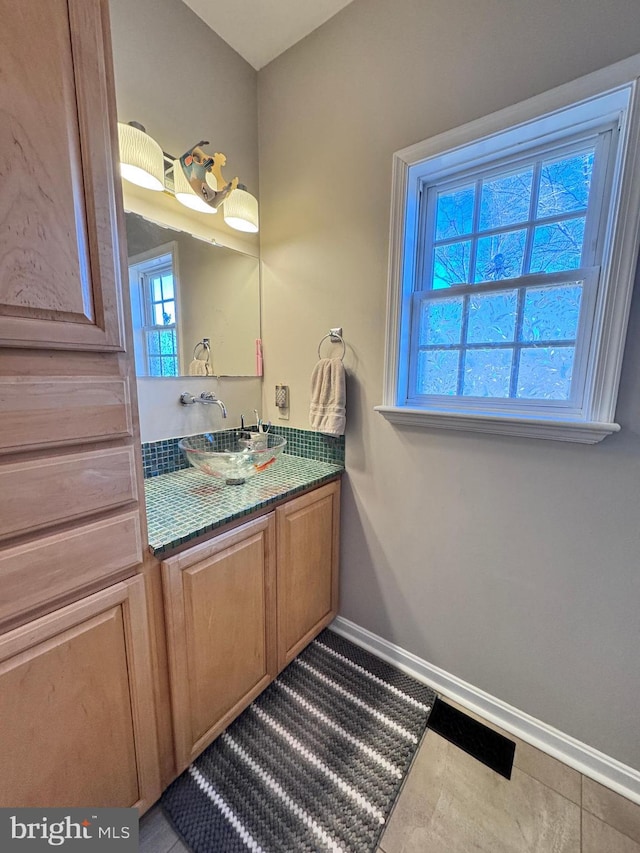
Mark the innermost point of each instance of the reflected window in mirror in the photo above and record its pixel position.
(216, 295)
(154, 295)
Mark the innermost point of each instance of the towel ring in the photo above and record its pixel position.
(335, 339)
(206, 346)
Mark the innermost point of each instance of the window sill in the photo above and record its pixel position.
(577, 431)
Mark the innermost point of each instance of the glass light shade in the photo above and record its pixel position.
(241, 211)
(141, 158)
(185, 195)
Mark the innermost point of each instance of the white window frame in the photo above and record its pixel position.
(609, 95)
(141, 267)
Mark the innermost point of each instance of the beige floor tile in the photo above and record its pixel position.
(452, 803)
(563, 779)
(599, 837)
(156, 833)
(613, 809)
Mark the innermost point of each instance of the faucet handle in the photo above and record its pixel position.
(187, 399)
(209, 396)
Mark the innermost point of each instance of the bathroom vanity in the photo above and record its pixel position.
(240, 579)
(240, 605)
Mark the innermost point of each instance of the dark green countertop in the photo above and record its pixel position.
(186, 504)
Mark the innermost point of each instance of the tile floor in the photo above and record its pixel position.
(451, 803)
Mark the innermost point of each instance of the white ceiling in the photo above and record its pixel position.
(260, 30)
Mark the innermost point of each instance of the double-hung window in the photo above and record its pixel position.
(513, 249)
(154, 299)
(160, 335)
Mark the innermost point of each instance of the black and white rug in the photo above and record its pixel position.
(315, 763)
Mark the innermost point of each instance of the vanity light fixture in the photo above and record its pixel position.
(141, 158)
(198, 182)
(185, 194)
(196, 168)
(241, 210)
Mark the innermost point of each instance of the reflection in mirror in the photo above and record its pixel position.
(185, 290)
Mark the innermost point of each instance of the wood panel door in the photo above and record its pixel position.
(221, 632)
(70, 466)
(308, 553)
(59, 254)
(76, 705)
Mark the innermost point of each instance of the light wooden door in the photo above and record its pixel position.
(221, 633)
(59, 256)
(71, 520)
(308, 552)
(76, 706)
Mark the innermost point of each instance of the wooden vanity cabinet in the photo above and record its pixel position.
(221, 631)
(75, 697)
(240, 606)
(308, 553)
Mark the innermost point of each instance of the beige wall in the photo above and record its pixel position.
(510, 563)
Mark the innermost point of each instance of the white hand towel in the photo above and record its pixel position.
(199, 367)
(328, 397)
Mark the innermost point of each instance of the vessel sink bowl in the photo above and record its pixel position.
(235, 463)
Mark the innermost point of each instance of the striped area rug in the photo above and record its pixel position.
(315, 763)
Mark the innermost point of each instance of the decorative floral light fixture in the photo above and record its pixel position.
(198, 182)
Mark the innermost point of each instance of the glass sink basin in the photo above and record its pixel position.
(236, 463)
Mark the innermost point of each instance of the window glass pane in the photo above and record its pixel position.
(505, 200)
(487, 372)
(551, 313)
(451, 265)
(545, 373)
(167, 286)
(454, 213)
(492, 317)
(557, 247)
(153, 343)
(438, 371)
(168, 342)
(500, 256)
(564, 184)
(169, 367)
(163, 314)
(441, 321)
(156, 288)
(155, 366)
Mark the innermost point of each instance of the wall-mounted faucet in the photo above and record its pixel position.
(206, 397)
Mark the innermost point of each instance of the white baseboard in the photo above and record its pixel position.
(587, 760)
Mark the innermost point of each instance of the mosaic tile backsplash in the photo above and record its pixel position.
(165, 457)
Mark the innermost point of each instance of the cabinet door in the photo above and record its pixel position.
(220, 612)
(308, 552)
(76, 706)
(59, 261)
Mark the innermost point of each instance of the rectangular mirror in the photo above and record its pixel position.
(185, 290)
